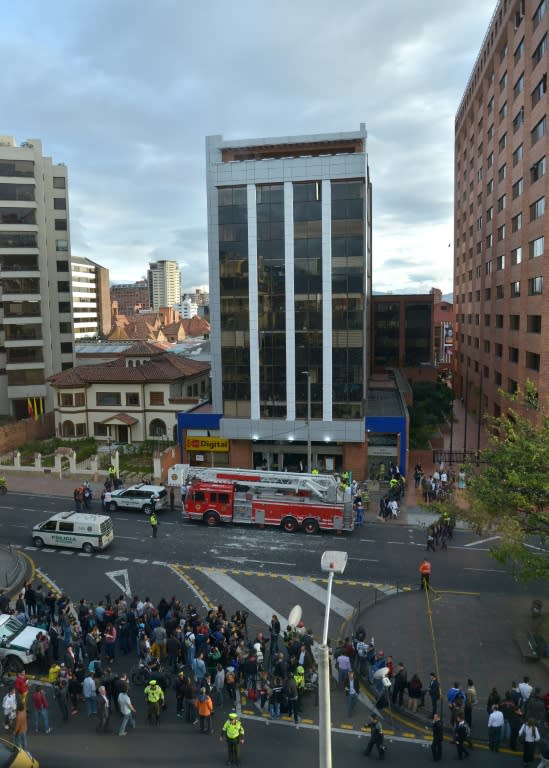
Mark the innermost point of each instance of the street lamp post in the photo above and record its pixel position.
(309, 461)
(331, 562)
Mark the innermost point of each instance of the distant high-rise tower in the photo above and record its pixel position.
(501, 267)
(36, 324)
(164, 280)
(91, 298)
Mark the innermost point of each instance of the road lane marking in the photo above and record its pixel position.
(243, 596)
(338, 606)
(121, 579)
(481, 541)
(485, 570)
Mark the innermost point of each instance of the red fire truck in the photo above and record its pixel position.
(284, 499)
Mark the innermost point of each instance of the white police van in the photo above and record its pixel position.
(74, 529)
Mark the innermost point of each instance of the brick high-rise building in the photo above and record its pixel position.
(501, 272)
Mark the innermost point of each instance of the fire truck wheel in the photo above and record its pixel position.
(310, 526)
(211, 519)
(289, 524)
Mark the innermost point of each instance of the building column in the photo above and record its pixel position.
(253, 302)
(326, 300)
(290, 298)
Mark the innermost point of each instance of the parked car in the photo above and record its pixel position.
(142, 497)
(16, 641)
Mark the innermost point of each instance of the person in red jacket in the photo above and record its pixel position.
(41, 705)
(22, 687)
(204, 708)
(425, 573)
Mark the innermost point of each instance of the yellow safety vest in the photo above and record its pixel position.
(233, 729)
(153, 693)
(299, 680)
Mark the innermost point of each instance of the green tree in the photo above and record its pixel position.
(431, 407)
(510, 493)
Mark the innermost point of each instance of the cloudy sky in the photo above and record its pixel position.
(124, 93)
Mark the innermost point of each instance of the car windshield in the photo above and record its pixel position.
(8, 753)
(7, 630)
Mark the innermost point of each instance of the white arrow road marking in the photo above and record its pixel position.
(481, 541)
(117, 577)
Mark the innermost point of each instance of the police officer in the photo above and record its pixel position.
(376, 738)
(234, 735)
(153, 520)
(155, 698)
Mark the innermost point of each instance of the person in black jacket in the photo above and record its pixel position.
(400, 683)
(376, 738)
(438, 736)
(461, 734)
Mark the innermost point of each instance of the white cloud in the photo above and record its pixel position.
(125, 95)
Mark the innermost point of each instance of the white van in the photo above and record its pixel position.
(74, 529)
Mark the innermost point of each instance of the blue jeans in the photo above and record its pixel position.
(351, 701)
(91, 705)
(124, 724)
(41, 714)
(274, 710)
(21, 740)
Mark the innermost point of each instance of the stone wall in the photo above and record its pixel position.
(17, 433)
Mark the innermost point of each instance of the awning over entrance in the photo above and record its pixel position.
(120, 418)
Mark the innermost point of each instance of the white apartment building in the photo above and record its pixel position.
(36, 334)
(164, 280)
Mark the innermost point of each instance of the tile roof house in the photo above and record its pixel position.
(152, 326)
(133, 398)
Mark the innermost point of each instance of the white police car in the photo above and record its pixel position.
(141, 497)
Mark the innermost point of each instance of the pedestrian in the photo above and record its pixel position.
(40, 703)
(154, 696)
(103, 707)
(425, 574)
(61, 694)
(204, 706)
(172, 500)
(87, 495)
(78, 496)
(22, 687)
(107, 498)
(127, 710)
(352, 689)
(400, 683)
(430, 541)
(376, 738)
(153, 520)
(470, 701)
(461, 734)
(290, 689)
(434, 693)
(530, 737)
(233, 732)
(495, 728)
(20, 728)
(438, 737)
(9, 708)
(89, 692)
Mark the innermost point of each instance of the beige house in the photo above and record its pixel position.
(133, 398)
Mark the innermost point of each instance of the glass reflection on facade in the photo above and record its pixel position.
(386, 334)
(417, 334)
(271, 300)
(307, 210)
(348, 296)
(235, 321)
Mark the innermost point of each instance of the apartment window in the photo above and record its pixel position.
(477, 295)
(490, 187)
(519, 86)
(62, 266)
(497, 378)
(540, 50)
(514, 322)
(59, 182)
(490, 214)
(479, 150)
(62, 245)
(478, 271)
(500, 292)
(489, 240)
(61, 225)
(539, 91)
(486, 347)
(535, 286)
(64, 306)
(537, 209)
(490, 132)
(60, 203)
(519, 51)
(63, 286)
(502, 173)
(532, 361)
(498, 350)
(487, 295)
(501, 233)
(503, 111)
(502, 203)
(65, 327)
(487, 321)
(518, 154)
(538, 169)
(533, 323)
(108, 398)
(518, 120)
(515, 289)
(503, 81)
(518, 188)
(540, 13)
(503, 51)
(66, 347)
(516, 223)
(512, 386)
(500, 262)
(479, 222)
(479, 174)
(156, 398)
(513, 355)
(479, 246)
(539, 129)
(536, 247)
(490, 106)
(132, 398)
(516, 256)
(490, 160)
(485, 372)
(488, 267)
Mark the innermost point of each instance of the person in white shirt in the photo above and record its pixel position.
(127, 710)
(352, 690)
(525, 690)
(530, 735)
(495, 728)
